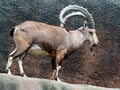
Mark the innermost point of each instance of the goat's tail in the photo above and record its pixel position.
(12, 32)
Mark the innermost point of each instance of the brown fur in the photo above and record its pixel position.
(44, 35)
(55, 40)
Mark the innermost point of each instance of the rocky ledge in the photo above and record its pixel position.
(11, 82)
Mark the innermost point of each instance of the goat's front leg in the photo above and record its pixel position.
(20, 65)
(53, 65)
(55, 70)
(59, 58)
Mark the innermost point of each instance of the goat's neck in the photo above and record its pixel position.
(78, 38)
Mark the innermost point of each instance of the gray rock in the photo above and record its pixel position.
(10, 82)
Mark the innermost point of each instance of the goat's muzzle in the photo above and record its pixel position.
(92, 47)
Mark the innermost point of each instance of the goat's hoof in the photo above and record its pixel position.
(24, 75)
(57, 79)
(9, 72)
(5, 71)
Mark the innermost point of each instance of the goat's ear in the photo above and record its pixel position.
(85, 24)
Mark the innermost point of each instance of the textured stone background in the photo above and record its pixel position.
(101, 69)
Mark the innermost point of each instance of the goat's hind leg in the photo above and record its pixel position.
(9, 63)
(20, 58)
(16, 53)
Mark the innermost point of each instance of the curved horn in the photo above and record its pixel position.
(69, 15)
(84, 11)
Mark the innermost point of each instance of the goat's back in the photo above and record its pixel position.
(46, 36)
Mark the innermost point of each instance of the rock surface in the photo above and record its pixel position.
(101, 68)
(10, 82)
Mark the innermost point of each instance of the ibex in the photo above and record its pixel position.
(53, 40)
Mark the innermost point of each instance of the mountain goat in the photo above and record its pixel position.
(53, 40)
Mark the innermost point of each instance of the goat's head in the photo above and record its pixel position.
(88, 29)
(90, 34)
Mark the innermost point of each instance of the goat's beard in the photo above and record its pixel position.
(91, 48)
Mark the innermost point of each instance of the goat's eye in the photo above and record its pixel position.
(91, 33)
